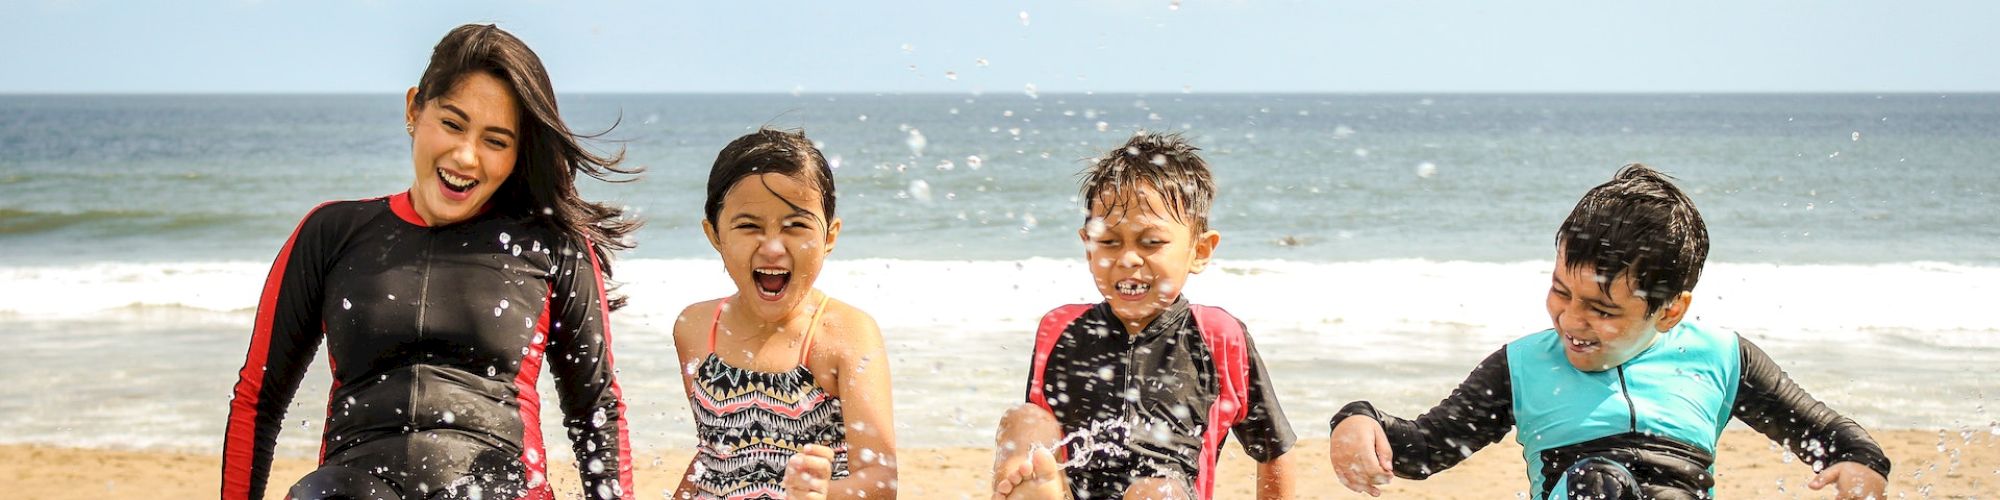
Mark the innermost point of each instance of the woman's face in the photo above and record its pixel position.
(772, 250)
(463, 146)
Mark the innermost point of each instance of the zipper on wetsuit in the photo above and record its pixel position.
(423, 309)
(1630, 407)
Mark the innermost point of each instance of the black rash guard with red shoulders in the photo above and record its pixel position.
(437, 336)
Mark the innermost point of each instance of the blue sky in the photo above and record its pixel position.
(1064, 46)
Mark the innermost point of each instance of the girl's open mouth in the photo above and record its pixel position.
(771, 282)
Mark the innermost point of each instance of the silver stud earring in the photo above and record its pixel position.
(410, 128)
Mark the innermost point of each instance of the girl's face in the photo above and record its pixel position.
(773, 237)
(463, 146)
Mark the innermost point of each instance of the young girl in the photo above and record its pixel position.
(789, 388)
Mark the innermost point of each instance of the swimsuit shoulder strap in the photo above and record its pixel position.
(812, 328)
(717, 323)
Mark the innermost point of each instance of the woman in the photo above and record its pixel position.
(440, 305)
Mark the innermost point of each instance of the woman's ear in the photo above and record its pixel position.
(410, 110)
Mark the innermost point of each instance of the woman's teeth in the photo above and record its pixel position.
(456, 183)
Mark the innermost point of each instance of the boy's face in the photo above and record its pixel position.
(1139, 255)
(1601, 331)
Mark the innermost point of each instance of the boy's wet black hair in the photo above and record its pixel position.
(1639, 222)
(1167, 163)
(769, 151)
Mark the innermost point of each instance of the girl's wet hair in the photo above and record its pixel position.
(769, 151)
(543, 185)
(1167, 163)
(1639, 222)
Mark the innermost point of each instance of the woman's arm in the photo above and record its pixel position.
(282, 343)
(580, 357)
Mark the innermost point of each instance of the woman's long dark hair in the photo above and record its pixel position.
(543, 186)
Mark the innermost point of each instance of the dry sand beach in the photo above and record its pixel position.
(1929, 464)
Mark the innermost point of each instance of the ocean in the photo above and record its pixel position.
(1377, 246)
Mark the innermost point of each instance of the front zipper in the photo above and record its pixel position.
(423, 309)
(1627, 392)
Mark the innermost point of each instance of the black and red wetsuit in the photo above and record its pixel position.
(1146, 402)
(437, 336)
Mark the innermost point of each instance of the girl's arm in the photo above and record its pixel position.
(691, 344)
(866, 406)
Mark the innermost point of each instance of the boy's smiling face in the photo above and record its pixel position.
(1140, 253)
(1599, 330)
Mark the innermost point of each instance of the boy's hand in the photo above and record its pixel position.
(1851, 481)
(809, 473)
(1032, 475)
(1361, 455)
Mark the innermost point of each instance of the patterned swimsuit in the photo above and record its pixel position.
(750, 422)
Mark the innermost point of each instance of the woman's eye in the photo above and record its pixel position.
(496, 143)
(452, 125)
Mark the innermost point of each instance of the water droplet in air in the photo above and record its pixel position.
(1857, 136)
(1427, 170)
(504, 238)
(920, 190)
(1101, 126)
(1024, 18)
(1030, 90)
(344, 304)
(916, 142)
(974, 162)
(951, 75)
(450, 417)
(1175, 5)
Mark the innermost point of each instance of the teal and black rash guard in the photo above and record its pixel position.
(1657, 416)
(437, 336)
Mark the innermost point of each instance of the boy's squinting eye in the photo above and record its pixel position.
(746, 225)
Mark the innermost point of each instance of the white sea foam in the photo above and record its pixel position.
(1936, 301)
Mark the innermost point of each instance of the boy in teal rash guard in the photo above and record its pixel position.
(1622, 399)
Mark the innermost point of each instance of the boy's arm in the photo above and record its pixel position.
(1265, 433)
(1774, 405)
(1478, 413)
(1274, 478)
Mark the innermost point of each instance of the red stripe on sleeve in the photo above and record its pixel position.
(624, 423)
(239, 446)
(533, 457)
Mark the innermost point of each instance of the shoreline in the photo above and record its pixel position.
(1945, 464)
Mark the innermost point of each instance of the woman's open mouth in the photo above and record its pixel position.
(771, 281)
(455, 187)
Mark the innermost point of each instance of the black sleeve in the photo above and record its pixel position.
(1478, 413)
(1768, 400)
(283, 339)
(580, 357)
(1265, 433)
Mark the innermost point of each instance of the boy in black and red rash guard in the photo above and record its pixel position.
(1150, 383)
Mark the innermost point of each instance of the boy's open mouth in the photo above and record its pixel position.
(771, 282)
(455, 183)
(1132, 287)
(1580, 345)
